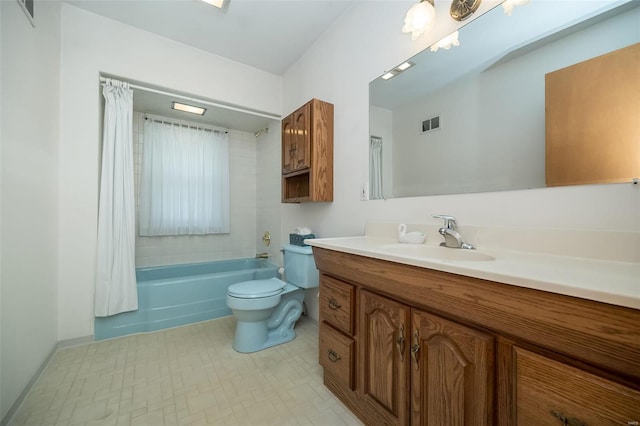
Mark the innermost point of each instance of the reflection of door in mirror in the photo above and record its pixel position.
(375, 168)
(592, 125)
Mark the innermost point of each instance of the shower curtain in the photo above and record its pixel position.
(116, 289)
(375, 168)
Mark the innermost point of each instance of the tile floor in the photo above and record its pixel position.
(185, 376)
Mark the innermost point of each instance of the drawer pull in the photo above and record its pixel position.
(400, 342)
(334, 305)
(633, 423)
(566, 421)
(333, 356)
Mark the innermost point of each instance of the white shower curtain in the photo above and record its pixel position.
(116, 289)
(375, 168)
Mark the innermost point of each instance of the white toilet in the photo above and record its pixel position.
(267, 310)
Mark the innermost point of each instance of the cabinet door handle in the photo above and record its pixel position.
(415, 349)
(400, 342)
(333, 357)
(567, 421)
(334, 305)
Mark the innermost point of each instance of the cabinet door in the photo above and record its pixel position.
(296, 140)
(451, 373)
(287, 142)
(383, 358)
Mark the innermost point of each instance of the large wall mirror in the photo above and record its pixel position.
(472, 118)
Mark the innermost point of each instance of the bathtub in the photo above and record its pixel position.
(173, 295)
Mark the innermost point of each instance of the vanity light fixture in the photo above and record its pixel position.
(420, 18)
(447, 42)
(188, 108)
(508, 5)
(388, 75)
(222, 5)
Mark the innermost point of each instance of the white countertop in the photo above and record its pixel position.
(614, 282)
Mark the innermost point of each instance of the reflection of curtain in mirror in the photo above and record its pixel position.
(375, 168)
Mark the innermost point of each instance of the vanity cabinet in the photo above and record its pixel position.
(307, 153)
(426, 347)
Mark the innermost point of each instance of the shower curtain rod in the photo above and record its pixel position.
(201, 101)
(183, 123)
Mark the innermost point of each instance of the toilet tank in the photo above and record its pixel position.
(299, 266)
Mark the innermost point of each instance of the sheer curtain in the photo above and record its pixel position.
(185, 181)
(116, 289)
(375, 168)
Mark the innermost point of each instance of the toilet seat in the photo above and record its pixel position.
(256, 289)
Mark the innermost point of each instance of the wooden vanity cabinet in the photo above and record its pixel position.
(307, 153)
(440, 349)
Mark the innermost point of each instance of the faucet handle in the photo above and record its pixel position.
(449, 221)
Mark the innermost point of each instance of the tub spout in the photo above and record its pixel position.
(264, 255)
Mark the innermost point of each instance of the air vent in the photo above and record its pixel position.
(431, 124)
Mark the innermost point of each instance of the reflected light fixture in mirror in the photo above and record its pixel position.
(447, 42)
(420, 18)
(508, 5)
(222, 5)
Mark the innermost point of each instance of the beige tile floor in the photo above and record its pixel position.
(185, 376)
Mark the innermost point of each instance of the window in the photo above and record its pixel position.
(184, 188)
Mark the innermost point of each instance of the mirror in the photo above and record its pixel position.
(472, 118)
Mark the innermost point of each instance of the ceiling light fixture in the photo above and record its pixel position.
(420, 18)
(508, 5)
(447, 42)
(220, 4)
(188, 108)
(397, 70)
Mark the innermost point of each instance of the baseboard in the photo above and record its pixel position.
(78, 341)
(6, 420)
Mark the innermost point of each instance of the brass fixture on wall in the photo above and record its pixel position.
(266, 238)
(462, 9)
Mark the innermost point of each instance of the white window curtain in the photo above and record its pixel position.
(116, 289)
(375, 168)
(185, 180)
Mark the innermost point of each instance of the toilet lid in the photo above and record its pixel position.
(256, 288)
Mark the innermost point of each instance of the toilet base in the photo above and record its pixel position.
(253, 336)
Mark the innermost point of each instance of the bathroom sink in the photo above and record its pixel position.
(435, 252)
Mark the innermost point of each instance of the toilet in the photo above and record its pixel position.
(266, 310)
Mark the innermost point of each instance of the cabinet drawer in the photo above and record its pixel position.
(552, 393)
(336, 303)
(336, 355)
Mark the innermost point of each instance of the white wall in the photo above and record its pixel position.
(240, 242)
(90, 45)
(338, 69)
(29, 193)
(268, 186)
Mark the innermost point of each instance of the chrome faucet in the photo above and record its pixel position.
(449, 231)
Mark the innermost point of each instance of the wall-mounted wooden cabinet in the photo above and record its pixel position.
(403, 345)
(307, 153)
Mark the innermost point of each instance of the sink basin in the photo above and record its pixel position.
(435, 252)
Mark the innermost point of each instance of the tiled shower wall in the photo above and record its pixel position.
(240, 242)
